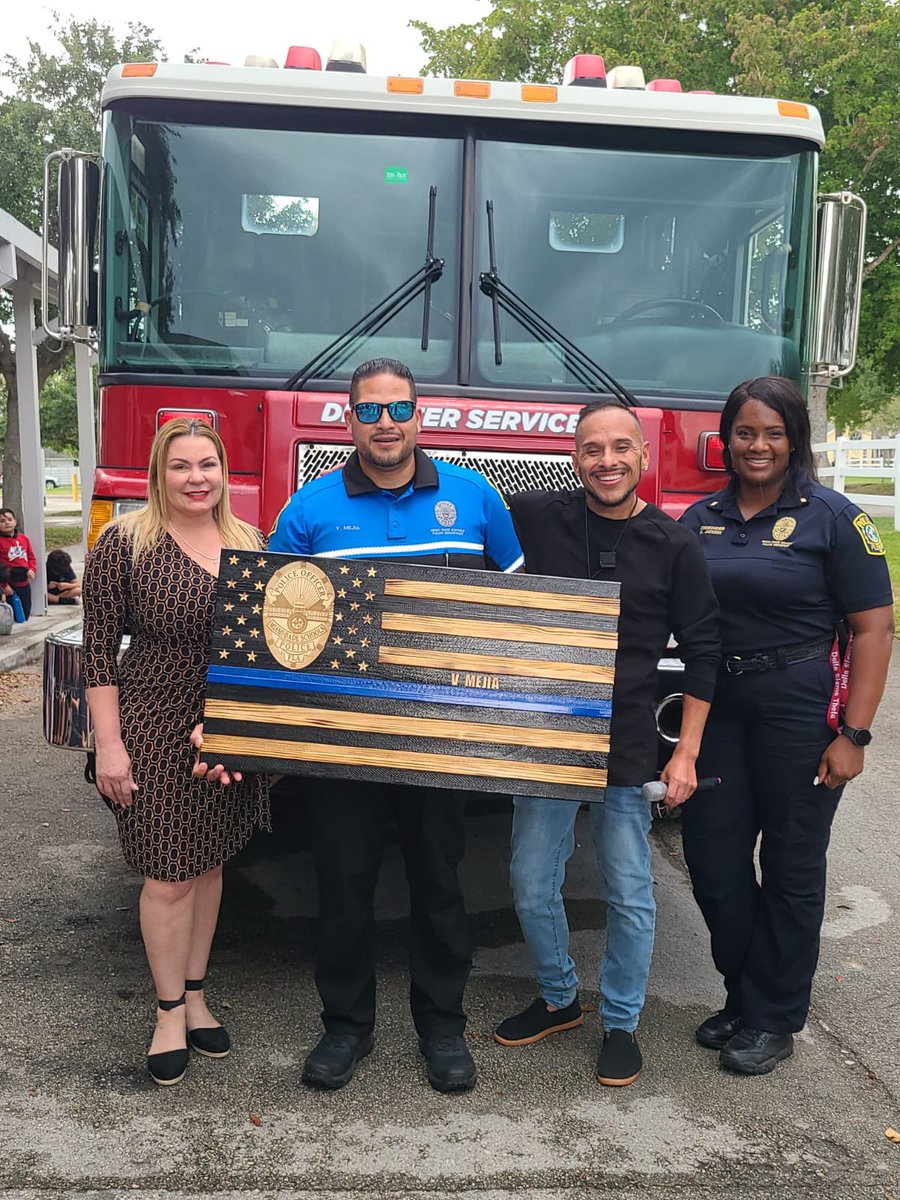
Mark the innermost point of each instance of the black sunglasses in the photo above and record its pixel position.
(369, 413)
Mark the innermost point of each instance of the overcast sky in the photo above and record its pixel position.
(228, 32)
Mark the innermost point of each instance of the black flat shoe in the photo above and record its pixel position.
(537, 1022)
(718, 1030)
(213, 1042)
(170, 1066)
(756, 1052)
(333, 1059)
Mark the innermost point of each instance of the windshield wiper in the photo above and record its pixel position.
(583, 367)
(331, 356)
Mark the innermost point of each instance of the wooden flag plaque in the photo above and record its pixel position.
(391, 672)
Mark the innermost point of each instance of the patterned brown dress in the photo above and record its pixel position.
(178, 827)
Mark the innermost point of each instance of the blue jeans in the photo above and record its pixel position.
(543, 839)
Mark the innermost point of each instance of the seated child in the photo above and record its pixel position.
(62, 585)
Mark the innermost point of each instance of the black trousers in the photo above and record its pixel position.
(349, 824)
(764, 738)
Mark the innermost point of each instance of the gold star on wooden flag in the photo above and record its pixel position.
(242, 620)
(338, 641)
(364, 643)
(238, 643)
(342, 593)
(260, 562)
(231, 583)
(256, 609)
(223, 654)
(335, 664)
(363, 666)
(345, 570)
(370, 595)
(245, 574)
(354, 607)
(351, 629)
(356, 582)
(371, 572)
(254, 633)
(367, 619)
(243, 596)
(226, 629)
(350, 653)
(233, 560)
(259, 585)
(229, 607)
(251, 657)
(339, 616)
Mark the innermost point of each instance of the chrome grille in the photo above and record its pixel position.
(509, 473)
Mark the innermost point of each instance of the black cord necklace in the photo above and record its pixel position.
(606, 559)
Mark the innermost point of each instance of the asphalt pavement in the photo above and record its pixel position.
(80, 1118)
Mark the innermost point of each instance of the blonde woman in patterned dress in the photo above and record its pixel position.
(153, 572)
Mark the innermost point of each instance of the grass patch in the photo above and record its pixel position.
(868, 486)
(57, 537)
(891, 538)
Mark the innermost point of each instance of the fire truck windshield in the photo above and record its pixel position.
(236, 250)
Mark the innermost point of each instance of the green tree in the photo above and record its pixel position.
(55, 102)
(840, 55)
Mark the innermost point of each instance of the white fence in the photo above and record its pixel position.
(849, 459)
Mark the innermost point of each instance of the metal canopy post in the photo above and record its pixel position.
(33, 486)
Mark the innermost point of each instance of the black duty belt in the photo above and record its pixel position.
(775, 660)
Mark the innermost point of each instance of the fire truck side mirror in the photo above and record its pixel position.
(78, 203)
(840, 257)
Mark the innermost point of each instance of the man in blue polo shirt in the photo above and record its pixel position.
(392, 501)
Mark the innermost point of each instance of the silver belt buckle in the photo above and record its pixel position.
(734, 665)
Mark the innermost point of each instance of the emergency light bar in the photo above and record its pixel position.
(585, 70)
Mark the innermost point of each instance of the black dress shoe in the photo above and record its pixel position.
(718, 1030)
(756, 1052)
(448, 1063)
(333, 1060)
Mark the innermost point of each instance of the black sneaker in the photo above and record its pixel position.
(718, 1030)
(756, 1052)
(333, 1060)
(537, 1022)
(448, 1063)
(620, 1059)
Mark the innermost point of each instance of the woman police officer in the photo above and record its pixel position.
(790, 560)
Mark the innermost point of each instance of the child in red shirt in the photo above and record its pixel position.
(17, 554)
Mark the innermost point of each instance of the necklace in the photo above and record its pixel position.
(181, 537)
(606, 559)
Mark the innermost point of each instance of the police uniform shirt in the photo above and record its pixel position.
(789, 574)
(666, 590)
(446, 516)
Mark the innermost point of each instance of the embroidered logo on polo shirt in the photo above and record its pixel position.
(871, 538)
(783, 528)
(445, 512)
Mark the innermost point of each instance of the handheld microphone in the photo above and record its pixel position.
(655, 791)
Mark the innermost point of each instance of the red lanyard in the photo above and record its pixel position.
(841, 671)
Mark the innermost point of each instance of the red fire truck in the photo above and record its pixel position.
(521, 246)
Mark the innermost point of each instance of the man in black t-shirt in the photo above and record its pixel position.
(603, 530)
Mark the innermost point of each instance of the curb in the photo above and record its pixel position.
(27, 648)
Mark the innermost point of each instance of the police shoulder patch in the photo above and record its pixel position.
(871, 538)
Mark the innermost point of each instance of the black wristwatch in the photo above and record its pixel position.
(859, 737)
